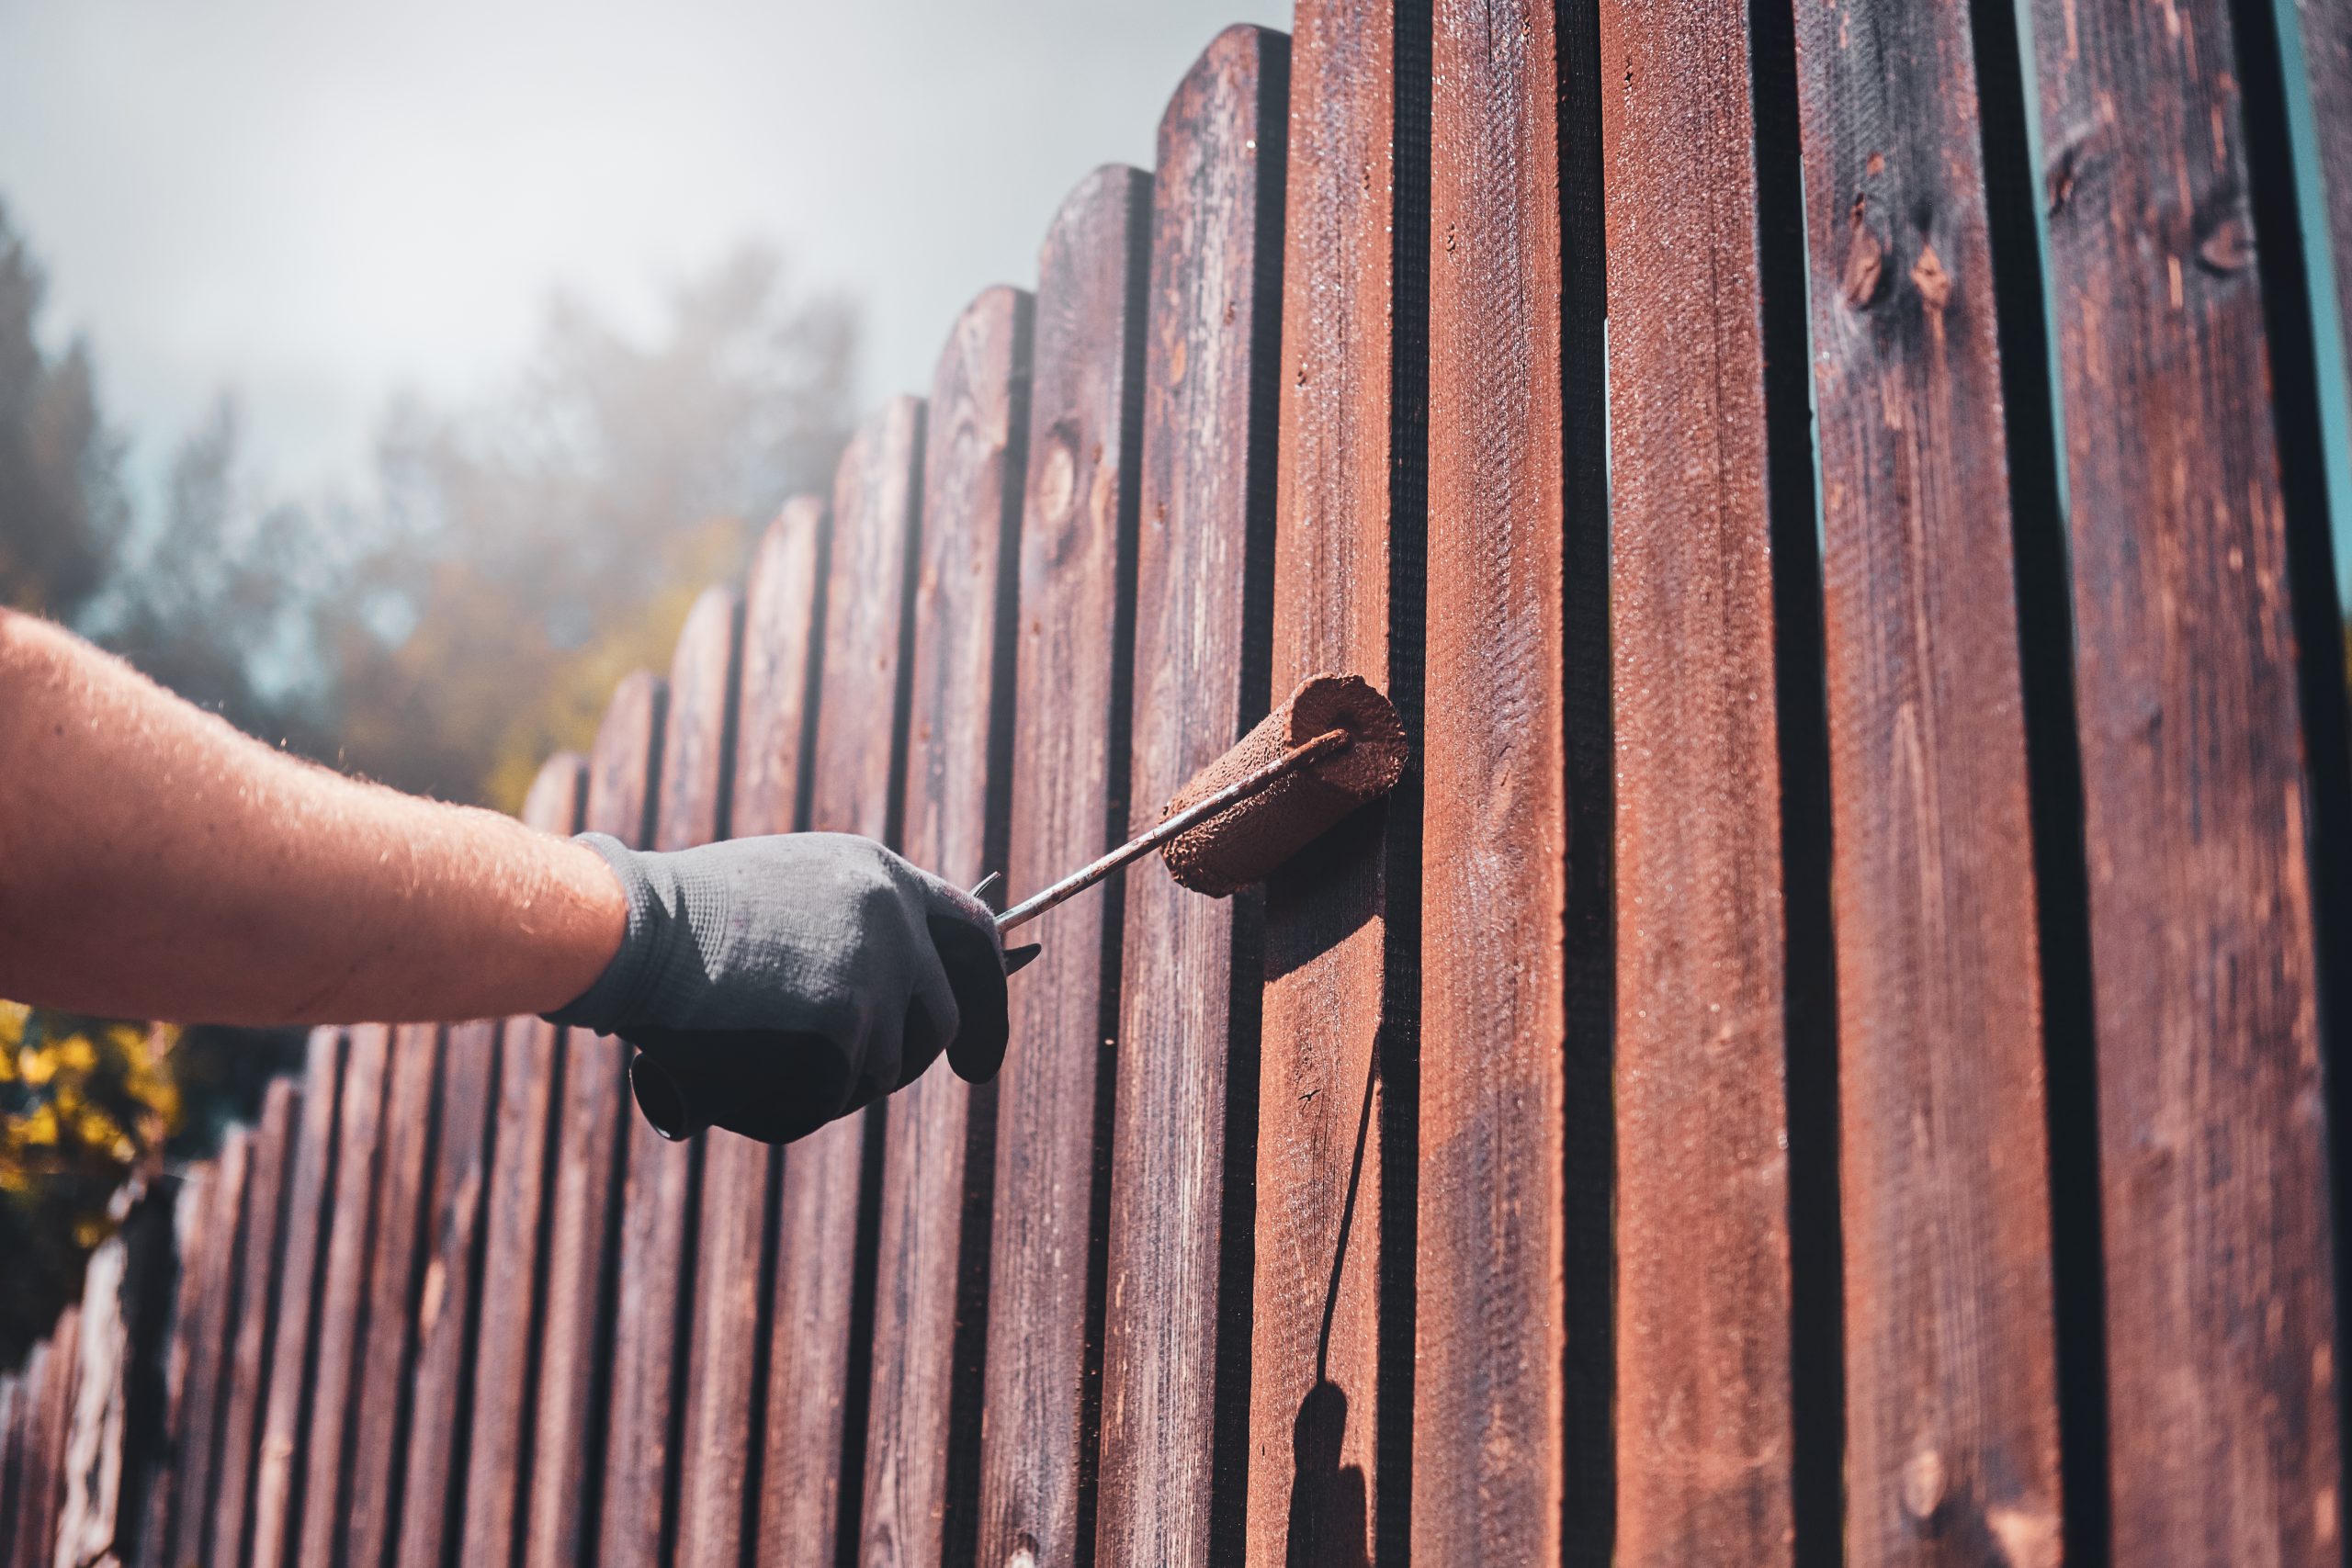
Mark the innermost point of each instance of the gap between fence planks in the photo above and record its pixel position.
(267, 1196)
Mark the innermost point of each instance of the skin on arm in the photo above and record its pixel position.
(154, 863)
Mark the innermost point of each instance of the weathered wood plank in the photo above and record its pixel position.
(823, 1278)
(591, 1142)
(1489, 1401)
(1176, 1326)
(210, 1329)
(2222, 1436)
(293, 1349)
(1334, 1211)
(1704, 1426)
(727, 1361)
(1069, 766)
(12, 1450)
(504, 1378)
(659, 1206)
(931, 1264)
(191, 1208)
(17, 1542)
(114, 1437)
(254, 1318)
(51, 1417)
(1952, 1428)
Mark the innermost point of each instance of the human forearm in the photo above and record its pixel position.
(154, 863)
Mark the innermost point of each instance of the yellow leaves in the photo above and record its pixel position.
(85, 1103)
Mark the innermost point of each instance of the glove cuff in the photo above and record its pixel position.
(620, 993)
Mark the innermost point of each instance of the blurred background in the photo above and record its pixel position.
(389, 380)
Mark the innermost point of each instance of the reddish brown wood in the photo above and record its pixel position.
(1324, 1115)
(1489, 1401)
(192, 1207)
(592, 1141)
(53, 1417)
(210, 1331)
(254, 1318)
(112, 1438)
(2222, 1398)
(920, 1480)
(657, 1200)
(1952, 1432)
(802, 1512)
(2325, 34)
(505, 1358)
(1068, 805)
(301, 1273)
(12, 1454)
(1176, 1317)
(726, 1359)
(17, 1542)
(1703, 1423)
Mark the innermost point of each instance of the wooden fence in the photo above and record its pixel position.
(1826, 1058)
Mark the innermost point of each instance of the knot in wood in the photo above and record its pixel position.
(1865, 278)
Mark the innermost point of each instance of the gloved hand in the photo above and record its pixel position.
(774, 984)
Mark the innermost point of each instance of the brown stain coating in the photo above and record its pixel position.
(207, 1373)
(2222, 1396)
(248, 1366)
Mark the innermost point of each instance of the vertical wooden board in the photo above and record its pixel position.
(317, 1518)
(1703, 1421)
(1489, 1403)
(592, 1141)
(931, 1264)
(1176, 1321)
(2222, 1399)
(725, 1357)
(658, 1211)
(11, 1456)
(1071, 685)
(211, 1328)
(506, 1355)
(1951, 1426)
(15, 1530)
(286, 1416)
(258, 1298)
(190, 1209)
(1325, 1209)
(803, 1515)
(52, 1418)
(2325, 33)
(450, 1239)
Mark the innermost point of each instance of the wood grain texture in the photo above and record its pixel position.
(23, 1480)
(592, 1141)
(2222, 1399)
(2325, 35)
(659, 1195)
(504, 1375)
(251, 1326)
(11, 1452)
(192, 1207)
(727, 1359)
(815, 1385)
(1176, 1323)
(1489, 1403)
(1952, 1434)
(286, 1416)
(1704, 1418)
(931, 1273)
(52, 1418)
(113, 1438)
(1069, 804)
(210, 1330)
(1325, 1184)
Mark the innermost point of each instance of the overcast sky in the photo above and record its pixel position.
(316, 203)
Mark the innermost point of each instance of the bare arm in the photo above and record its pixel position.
(156, 864)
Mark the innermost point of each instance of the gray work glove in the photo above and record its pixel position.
(772, 984)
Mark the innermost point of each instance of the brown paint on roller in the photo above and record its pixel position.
(1240, 846)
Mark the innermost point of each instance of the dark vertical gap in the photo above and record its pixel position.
(272, 1299)
(1246, 974)
(412, 1297)
(903, 685)
(150, 1292)
(2284, 257)
(2054, 773)
(1816, 1360)
(857, 1396)
(461, 1434)
(225, 1335)
(1119, 758)
(1589, 1150)
(313, 1300)
(1397, 1051)
(812, 677)
(526, 1445)
(346, 1439)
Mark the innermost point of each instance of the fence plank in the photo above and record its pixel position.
(1489, 1401)
(2224, 1441)
(210, 1329)
(19, 1542)
(1949, 1363)
(294, 1339)
(592, 1141)
(823, 1280)
(1334, 1212)
(937, 1172)
(657, 1196)
(254, 1319)
(727, 1359)
(1069, 804)
(53, 1415)
(12, 1450)
(1175, 1386)
(503, 1378)
(1703, 1416)
(192, 1207)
